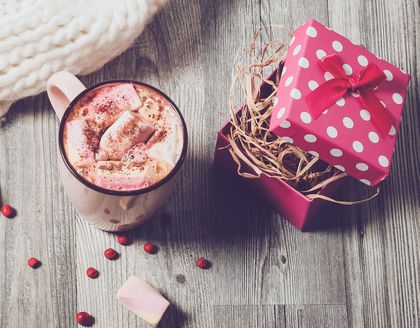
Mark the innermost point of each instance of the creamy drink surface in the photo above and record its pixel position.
(123, 136)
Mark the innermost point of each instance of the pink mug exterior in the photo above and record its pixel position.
(106, 209)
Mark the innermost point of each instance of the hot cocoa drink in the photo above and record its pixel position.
(123, 136)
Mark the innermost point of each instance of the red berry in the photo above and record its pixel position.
(34, 263)
(202, 263)
(150, 248)
(84, 319)
(7, 210)
(123, 240)
(92, 273)
(111, 254)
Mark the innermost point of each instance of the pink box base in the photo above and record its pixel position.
(286, 200)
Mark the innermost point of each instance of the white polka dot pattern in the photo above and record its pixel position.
(306, 117)
(337, 46)
(310, 138)
(340, 167)
(285, 124)
(288, 139)
(362, 167)
(297, 49)
(292, 40)
(336, 152)
(362, 60)
(345, 134)
(348, 122)
(347, 68)
(358, 146)
(396, 97)
(392, 131)
(328, 76)
(383, 161)
(303, 62)
(288, 81)
(295, 94)
(284, 71)
(312, 85)
(365, 181)
(388, 75)
(373, 137)
(340, 102)
(281, 112)
(332, 132)
(311, 32)
(365, 115)
(320, 53)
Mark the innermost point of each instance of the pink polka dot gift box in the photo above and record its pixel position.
(340, 102)
(335, 100)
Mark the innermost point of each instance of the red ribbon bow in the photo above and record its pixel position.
(329, 92)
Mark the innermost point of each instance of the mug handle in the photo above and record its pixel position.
(62, 88)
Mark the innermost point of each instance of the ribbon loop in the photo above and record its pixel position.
(332, 90)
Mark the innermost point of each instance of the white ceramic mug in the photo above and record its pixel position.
(106, 209)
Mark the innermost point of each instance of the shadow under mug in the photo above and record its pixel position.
(106, 209)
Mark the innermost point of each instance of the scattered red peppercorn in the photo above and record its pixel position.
(202, 263)
(92, 273)
(111, 254)
(123, 240)
(150, 248)
(7, 210)
(34, 263)
(84, 319)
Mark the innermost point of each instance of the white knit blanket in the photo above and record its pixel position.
(40, 37)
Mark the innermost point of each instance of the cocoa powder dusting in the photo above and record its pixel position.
(91, 131)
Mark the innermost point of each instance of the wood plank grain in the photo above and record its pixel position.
(381, 242)
(316, 316)
(250, 316)
(363, 260)
(264, 259)
(280, 316)
(28, 179)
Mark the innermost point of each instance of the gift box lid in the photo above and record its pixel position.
(357, 131)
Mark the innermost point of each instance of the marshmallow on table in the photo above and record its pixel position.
(143, 300)
(129, 129)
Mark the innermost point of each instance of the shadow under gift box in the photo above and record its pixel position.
(285, 199)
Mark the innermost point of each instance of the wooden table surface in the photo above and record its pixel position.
(360, 268)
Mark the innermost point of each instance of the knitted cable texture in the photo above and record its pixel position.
(40, 37)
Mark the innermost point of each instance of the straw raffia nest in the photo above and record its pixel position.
(256, 74)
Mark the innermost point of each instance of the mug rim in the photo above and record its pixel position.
(106, 191)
